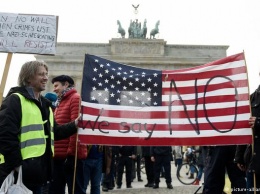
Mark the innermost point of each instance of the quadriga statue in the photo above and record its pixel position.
(155, 30)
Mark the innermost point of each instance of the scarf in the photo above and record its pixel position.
(57, 103)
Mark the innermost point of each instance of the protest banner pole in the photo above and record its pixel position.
(4, 77)
(77, 139)
(76, 156)
(254, 178)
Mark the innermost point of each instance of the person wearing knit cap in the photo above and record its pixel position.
(67, 109)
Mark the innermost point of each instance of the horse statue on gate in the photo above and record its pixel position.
(144, 30)
(155, 30)
(130, 30)
(120, 29)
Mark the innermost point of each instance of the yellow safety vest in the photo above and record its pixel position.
(33, 138)
(2, 159)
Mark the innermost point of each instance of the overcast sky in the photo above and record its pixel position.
(235, 23)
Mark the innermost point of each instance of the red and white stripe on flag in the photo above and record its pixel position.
(203, 105)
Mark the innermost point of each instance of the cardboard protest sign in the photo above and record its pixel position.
(26, 33)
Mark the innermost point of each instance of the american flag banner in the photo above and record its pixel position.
(203, 105)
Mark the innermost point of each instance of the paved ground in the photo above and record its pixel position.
(138, 187)
(178, 187)
(163, 190)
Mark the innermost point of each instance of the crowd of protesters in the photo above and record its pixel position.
(27, 139)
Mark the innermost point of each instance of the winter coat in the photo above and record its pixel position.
(127, 150)
(177, 152)
(107, 159)
(161, 150)
(38, 170)
(67, 111)
(253, 161)
(146, 151)
(200, 161)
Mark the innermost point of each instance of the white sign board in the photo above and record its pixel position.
(24, 33)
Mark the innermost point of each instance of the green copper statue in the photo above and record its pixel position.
(120, 29)
(135, 29)
(155, 30)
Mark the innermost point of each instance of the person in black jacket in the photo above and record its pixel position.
(136, 166)
(24, 115)
(219, 160)
(149, 165)
(222, 159)
(125, 159)
(162, 157)
(244, 158)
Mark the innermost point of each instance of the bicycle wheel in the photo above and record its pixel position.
(187, 173)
